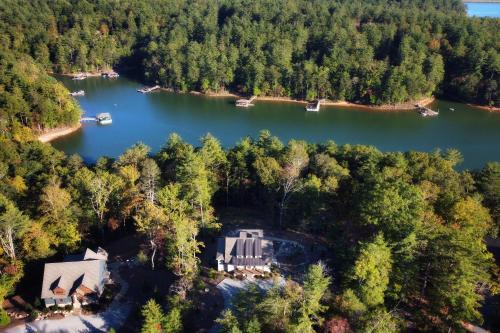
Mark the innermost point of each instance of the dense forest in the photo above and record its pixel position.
(406, 230)
(373, 52)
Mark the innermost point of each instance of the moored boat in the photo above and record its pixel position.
(104, 118)
(77, 93)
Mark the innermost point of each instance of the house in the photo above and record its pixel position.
(244, 249)
(79, 278)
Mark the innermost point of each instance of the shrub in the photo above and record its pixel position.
(142, 257)
(213, 274)
(4, 318)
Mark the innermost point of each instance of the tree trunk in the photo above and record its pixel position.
(153, 247)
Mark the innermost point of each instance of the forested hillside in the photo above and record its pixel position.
(362, 51)
(406, 229)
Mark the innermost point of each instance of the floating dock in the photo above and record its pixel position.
(80, 76)
(244, 103)
(146, 90)
(101, 118)
(77, 93)
(426, 112)
(313, 107)
(110, 75)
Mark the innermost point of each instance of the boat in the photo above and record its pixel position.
(452, 109)
(77, 93)
(104, 118)
(146, 90)
(313, 107)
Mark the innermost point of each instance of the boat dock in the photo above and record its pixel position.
(426, 112)
(244, 103)
(110, 75)
(313, 107)
(101, 118)
(80, 76)
(77, 93)
(146, 90)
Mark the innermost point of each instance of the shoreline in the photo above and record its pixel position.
(484, 107)
(409, 106)
(55, 133)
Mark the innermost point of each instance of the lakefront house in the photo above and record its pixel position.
(244, 249)
(78, 279)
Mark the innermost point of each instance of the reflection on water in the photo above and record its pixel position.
(151, 118)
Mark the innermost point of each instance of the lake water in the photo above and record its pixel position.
(483, 9)
(150, 118)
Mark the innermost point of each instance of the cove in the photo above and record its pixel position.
(151, 118)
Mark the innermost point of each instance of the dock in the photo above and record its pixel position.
(80, 76)
(425, 111)
(313, 107)
(146, 90)
(77, 93)
(244, 103)
(101, 118)
(110, 74)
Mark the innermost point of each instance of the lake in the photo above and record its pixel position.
(150, 118)
(483, 9)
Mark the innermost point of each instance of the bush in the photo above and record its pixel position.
(4, 318)
(213, 274)
(200, 284)
(37, 303)
(142, 257)
(33, 315)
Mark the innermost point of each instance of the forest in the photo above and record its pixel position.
(406, 230)
(372, 52)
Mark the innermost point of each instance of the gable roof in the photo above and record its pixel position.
(245, 244)
(67, 276)
(100, 254)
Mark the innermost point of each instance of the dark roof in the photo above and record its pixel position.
(249, 247)
(245, 244)
(257, 248)
(239, 247)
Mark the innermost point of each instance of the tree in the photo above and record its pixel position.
(152, 222)
(228, 322)
(55, 205)
(371, 271)
(13, 224)
(153, 317)
(182, 244)
(309, 312)
(150, 174)
(172, 322)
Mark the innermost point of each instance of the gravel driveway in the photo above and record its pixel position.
(230, 287)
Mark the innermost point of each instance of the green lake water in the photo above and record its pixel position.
(150, 118)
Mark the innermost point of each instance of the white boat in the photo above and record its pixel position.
(104, 118)
(77, 93)
(452, 109)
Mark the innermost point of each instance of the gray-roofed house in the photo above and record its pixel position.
(244, 249)
(80, 277)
